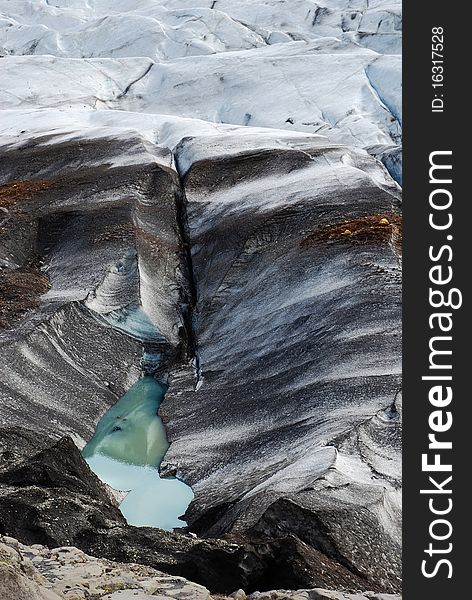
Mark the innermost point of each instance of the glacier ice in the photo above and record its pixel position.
(220, 181)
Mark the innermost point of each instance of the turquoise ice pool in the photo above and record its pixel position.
(126, 451)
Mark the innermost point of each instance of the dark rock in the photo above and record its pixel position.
(49, 496)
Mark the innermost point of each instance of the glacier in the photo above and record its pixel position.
(209, 193)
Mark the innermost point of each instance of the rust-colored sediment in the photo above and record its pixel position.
(383, 228)
(19, 191)
(19, 292)
(121, 232)
(127, 231)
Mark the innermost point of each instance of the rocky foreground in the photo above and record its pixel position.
(39, 573)
(214, 201)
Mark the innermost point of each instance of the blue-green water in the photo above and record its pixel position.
(126, 451)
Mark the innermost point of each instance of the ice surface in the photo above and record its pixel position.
(337, 101)
(164, 30)
(238, 62)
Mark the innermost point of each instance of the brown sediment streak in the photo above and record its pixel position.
(123, 231)
(19, 292)
(18, 191)
(382, 228)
